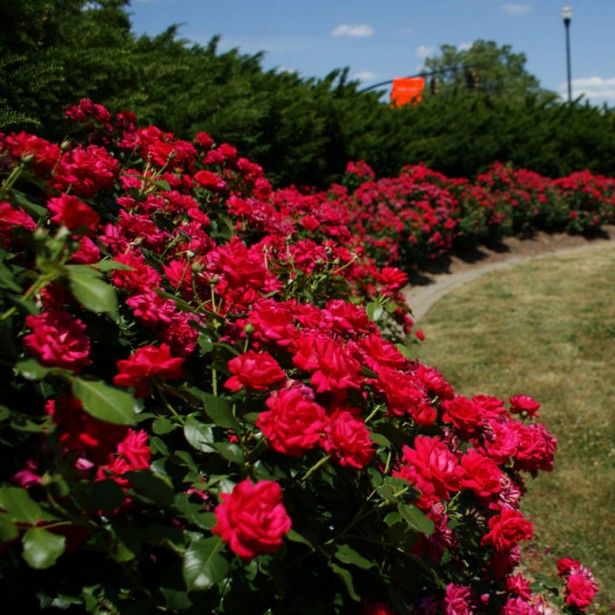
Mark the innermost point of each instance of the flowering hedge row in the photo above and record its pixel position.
(210, 404)
(422, 214)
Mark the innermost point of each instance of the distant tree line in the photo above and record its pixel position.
(303, 131)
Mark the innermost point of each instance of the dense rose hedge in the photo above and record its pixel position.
(209, 400)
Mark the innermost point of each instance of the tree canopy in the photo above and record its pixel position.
(485, 66)
(54, 52)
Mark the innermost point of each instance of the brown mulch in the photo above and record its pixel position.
(510, 247)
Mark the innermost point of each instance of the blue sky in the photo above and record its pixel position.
(382, 39)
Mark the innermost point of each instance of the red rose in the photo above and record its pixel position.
(252, 518)
(72, 213)
(507, 529)
(376, 608)
(134, 448)
(203, 140)
(294, 423)
(405, 394)
(58, 340)
(457, 600)
(393, 278)
(501, 440)
(348, 440)
(519, 606)
(333, 368)
(524, 403)
(432, 468)
(209, 180)
(519, 586)
(81, 433)
(378, 352)
(481, 474)
(434, 381)
(11, 217)
(133, 454)
(145, 363)
(86, 170)
(139, 278)
(45, 154)
(272, 322)
(254, 370)
(536, 448)
(580, 589)
(86, 253)
(566, 565)
(463, 413)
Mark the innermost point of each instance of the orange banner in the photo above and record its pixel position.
(407, 90)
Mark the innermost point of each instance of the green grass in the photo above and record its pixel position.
(547, 329)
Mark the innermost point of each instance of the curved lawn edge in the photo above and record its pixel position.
(422, 298)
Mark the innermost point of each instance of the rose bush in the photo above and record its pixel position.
(210, 402)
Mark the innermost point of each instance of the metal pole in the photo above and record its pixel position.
(567, 14)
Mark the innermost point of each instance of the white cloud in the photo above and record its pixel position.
(464, 46)
(516, 9)
(285, 69)
(596, 89)
(357, 30)
(365, 75)
(423, 51)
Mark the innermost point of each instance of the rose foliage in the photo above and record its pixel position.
(209, 400)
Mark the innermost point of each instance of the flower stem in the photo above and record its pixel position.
(321, 462)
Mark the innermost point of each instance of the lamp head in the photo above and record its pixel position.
(566, 12)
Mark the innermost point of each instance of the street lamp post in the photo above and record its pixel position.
(566, 16)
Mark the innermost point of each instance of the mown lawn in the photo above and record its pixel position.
(547, 328)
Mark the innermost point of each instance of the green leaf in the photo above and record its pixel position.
(7, 280)
(405, 350)
(162, 426)
(175, 600)
(218, 408)
(4, 412)
(92, 292)
(347, 555)
(106, 495)
(111, 265)
(392, 518)
(203, 565)
(31, 369)
(380, 440)
(158, 446)
(398, 484)
(229, 451)
(152, 487)
(128, 539)
(374, 311)
(158, 534)
(387, 493)
(163, 184)
(416, 519)
(205, 344)
(19, 506)
(8, 530)
(346, 578)
(105, 402)
(375, 478)
(199, 435)
(28, 205)
(294, 536)
(206, 520)
(41, 548)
